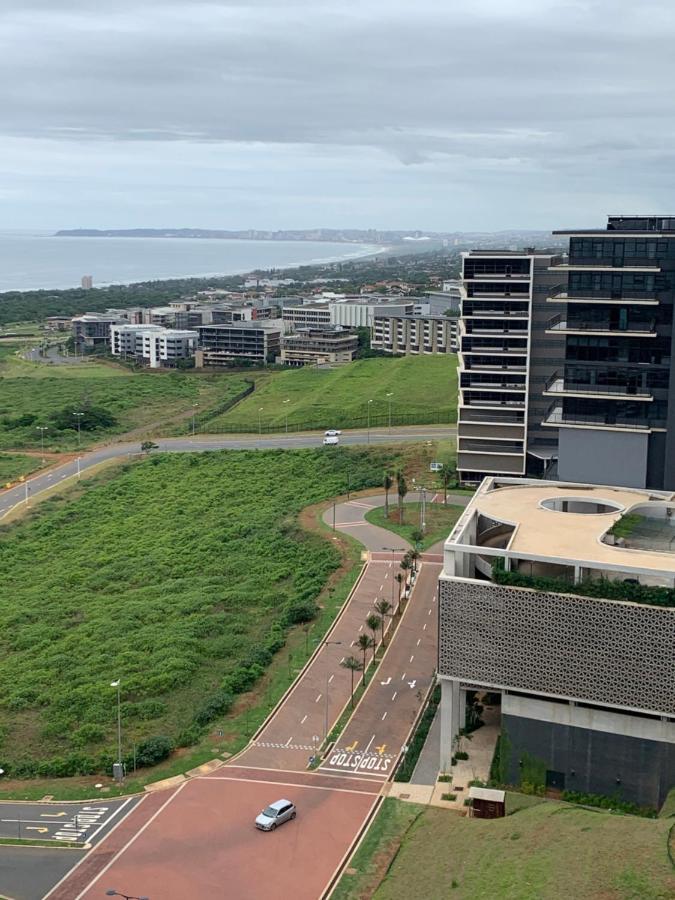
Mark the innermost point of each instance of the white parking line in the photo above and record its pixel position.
(384, 716)
(394, 695)
(331, 678)
(304, 719)
(403, 677)
(318, 698)
(419, 640)
(424, 627)
(411, 658)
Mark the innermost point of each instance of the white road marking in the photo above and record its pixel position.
(342, 660)
(381, 587)
(429, 613)
(411, 658)
(385, 683)
(412, 684)
(393, 697)
(384, 716)
(318, 698)
(424, 627)
(289, 741)
(331, 678)
(304, 719)
(403, 677)
(360, 627)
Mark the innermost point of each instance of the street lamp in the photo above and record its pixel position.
(325, 712)
(369, 402)
(286, 413)
(389, 396)
(393, 550)
(79, 422)
(260, 409)
(194, 413)
(42, 429)
(117, 684)
(113, 893)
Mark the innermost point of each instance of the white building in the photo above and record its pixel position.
(151, 344)
(360, 311)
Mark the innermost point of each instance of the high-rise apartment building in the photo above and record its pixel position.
(501, 375)
(612, 402)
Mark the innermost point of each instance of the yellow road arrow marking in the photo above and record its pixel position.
(381, 749)
(352, 747)
(36, 828)
(52, 815)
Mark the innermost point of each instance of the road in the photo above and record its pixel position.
(45, 480)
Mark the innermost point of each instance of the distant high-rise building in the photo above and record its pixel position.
(612, 403)
(87, 282)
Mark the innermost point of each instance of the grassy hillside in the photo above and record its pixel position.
(424, 390)
(179, 576)
(548, 851)
(12, 465)
(32, 394)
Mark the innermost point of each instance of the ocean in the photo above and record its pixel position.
(29, 261)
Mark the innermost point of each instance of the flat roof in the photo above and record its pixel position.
(572, 538)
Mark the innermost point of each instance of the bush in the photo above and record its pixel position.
(405, 770)
(615, 804)
(299, 612)
(461, 754)
(449, 797)
(444, 778)
(218, 704)
(153, 751)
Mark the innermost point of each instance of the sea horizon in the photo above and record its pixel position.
(39, 260)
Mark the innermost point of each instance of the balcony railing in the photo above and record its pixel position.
(625, 297)
(557, 384)
(557, 416)
(559, 324)
(473, 446)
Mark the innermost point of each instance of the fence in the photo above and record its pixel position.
(205, 417)
(325, 420)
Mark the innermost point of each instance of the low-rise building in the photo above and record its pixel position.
(359, 312)
(547, 602)
(91, 331)
(413, 334)
(318, 346)
(223, 345)
(153, 345)
(58, 323)
(309, 315)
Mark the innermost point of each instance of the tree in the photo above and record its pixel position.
(386, 483)
(417, 536)
(374, 622)
(383, 608)
(414, 556)
(147, 446)
(446, 476)
(405, 566)
(402, 489)
(399, 578)
(352, 664)
(364, 643)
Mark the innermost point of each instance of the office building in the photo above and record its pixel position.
(612, 400)
(309, 315)
(91, 331)
(505, 358)
(318, 346)
(152, 345)
(573, 626)
(359, 312)
(248, 342)
(413, 334)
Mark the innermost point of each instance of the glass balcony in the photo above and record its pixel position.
(558, 417)
(606, 326)
(557, 385)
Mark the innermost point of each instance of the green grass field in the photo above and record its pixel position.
(548, 851)
(439, 520)
(424, 390)
(178, 575)
(12, 465)
(31, 393)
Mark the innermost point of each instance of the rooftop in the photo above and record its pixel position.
(568, 524)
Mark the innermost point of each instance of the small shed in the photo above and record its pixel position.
(487, 803)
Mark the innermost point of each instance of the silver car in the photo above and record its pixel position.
(275, 814)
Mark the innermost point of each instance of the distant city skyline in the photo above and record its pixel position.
(281, 114)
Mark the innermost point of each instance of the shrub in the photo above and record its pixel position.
(615, 803)
(449, 797)
(461, 754)
(218, 704)
(300, 611)
(444, 778)
(88, 734)
(153, 751)
(189, 736)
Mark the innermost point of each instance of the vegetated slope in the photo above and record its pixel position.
(178, 576)
(132, 400)
(546, 852)
(12, 465)
(423, 388)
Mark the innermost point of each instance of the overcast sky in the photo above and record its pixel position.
(437, 114)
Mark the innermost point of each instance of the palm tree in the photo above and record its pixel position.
(414, 556)
(405, 565)
(374, 622)
(353, 665)
(399, 578)
(383, 608)
(402, 489)
(446, 476)
(386, 483)
(364, 643)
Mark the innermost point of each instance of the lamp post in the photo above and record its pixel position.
(260, 409)
(113, 893)
(389, 396)
(117, 684)
(286, 413)
(42, 429)
(325, 710)
(78, 468)
(369, 402)
(392, 551)
(194, 413)
(423, 510)
(78, 416)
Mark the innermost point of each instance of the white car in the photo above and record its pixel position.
(333, 432)
(331, 439)
(275, 814)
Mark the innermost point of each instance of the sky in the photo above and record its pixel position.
(447, 115)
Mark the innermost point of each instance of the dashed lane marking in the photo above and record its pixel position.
(412, 657)
(304, 719)
(331, 678)
(403, 677)
(419, 640)
(318, 698)
(424, 627)
(393, 697)
(384, 715)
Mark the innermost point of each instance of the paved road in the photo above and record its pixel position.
(377, 732)
(45, 480)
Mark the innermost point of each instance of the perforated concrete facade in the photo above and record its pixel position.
(601, 651)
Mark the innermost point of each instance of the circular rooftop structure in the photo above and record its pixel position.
(584, 506)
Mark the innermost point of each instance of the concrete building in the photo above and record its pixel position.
(87, 282)
(153, 345)
(612, 399)
(318, 346)
(359, 312)
(506, 355)
(413, 334)
(224, 345)
(309, 315)
(574, 627)
(91, 331)
(58, 323)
